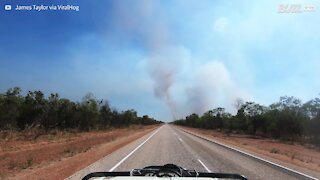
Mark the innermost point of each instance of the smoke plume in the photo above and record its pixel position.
(141, 20)
(163, 73)
(200, 87)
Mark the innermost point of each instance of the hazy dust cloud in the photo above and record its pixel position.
(183, 85)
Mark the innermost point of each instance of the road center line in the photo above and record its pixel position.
(177, 136)
(122, 160)
(204, 165)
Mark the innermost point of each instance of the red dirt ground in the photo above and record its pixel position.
(60, 155)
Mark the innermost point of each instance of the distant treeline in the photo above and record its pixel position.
(287, 119)
(19, 112)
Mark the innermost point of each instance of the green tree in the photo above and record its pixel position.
(192, 119)
(10, 104)
(105, 114)
(33, 110)
(89, 110)
(288, 117)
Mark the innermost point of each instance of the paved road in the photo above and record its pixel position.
(168, 144)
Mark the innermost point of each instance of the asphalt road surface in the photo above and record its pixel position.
(168, 144)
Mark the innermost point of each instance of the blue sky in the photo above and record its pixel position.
(163, 58)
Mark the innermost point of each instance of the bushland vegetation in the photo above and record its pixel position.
(287, 119)
(34, 110)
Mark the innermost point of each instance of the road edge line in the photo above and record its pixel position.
(286, 169)
(135, 149)
(208, 170)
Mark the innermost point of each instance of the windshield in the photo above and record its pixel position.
(213, 87)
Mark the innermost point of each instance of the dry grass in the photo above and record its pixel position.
(274, 150)
(34, 149)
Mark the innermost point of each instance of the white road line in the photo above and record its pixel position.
(253, 156)
(177, 136)
(204, 165)
(120, 162)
